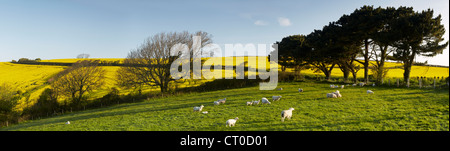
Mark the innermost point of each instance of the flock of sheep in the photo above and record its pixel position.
(285, 113)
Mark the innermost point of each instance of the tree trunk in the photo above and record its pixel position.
(407, 73)
(346, 71)
(380, 73)
(366, 60)
(407, 67)
(354, 77)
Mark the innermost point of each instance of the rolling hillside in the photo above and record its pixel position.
(395, 109)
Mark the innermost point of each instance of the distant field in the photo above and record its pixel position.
(75, 60)
(395, 72)
(389, 109)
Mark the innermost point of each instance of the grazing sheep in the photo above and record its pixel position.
(286, 114)
(342, 86)
(249, 103)
(216, 103)
(279, 89)
(276, 98)
(331, 95)
(369, 92)
(68, 122)
(361, 84)
(198, 108)
(231, 122)
(255, 102)
(354, 84)
(265, 101)
(205, 112)
(300, 90)
(337, 93)
(331, 86)
(222, 101)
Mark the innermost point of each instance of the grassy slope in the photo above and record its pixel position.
(387, 109)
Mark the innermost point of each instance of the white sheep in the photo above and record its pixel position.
(265, 101)
(222, 101)
(300, 90)
(361, 84)
(249, 103)
(354, 84)
(231, 122)
(216, 103)
(205, 112)
(276, 98)
(342, 86)
(337, 93)
(369, 92)
(336, 86)
(198, 108)
(331, 95)
(279, 89)
(256, 102)
(331, 86)
(68, 122)
(373, 84)
(286, 114)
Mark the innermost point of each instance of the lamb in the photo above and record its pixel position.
(331, 86)
(231, 122)
(276, 98)
(216, 103)
(198, 108)
(205, 112)
(222, 101)
(342, 86)
(68, 122)
(249, 103)
(300, 90)
(361, 84)
(265, 101)
(369, 92)
(286, 114)
(354, 84)
(255, 102)
(331, 95)
(337, 93)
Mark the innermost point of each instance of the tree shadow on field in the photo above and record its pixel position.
(94, 113)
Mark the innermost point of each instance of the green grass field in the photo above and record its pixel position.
(389, 109)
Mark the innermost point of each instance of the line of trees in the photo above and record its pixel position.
(377, 34)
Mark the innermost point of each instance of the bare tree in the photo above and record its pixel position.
(150, 63)
(83, 76)
(83, 56)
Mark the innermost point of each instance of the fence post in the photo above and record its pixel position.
(434, 83)
(420, 82)
(398, 83)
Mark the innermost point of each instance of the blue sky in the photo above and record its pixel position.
(50, 29)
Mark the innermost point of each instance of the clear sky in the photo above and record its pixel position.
(51, 29)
